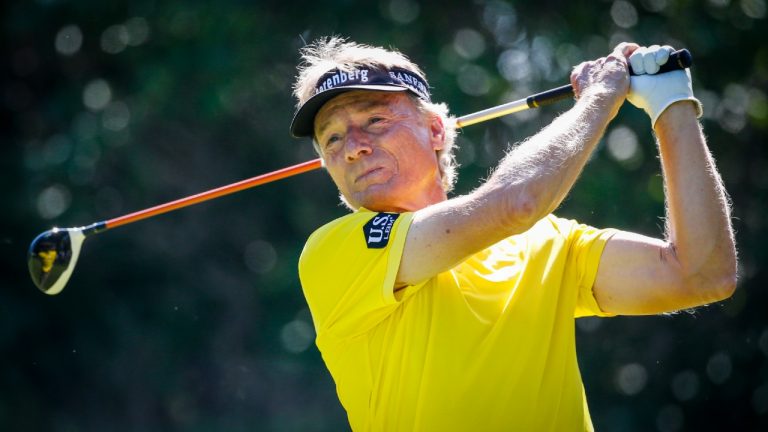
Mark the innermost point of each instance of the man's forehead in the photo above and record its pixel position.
(357, 101)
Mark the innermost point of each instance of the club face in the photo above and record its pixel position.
(52, 257)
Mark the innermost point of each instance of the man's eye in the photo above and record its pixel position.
(333, 139)
(374, 120)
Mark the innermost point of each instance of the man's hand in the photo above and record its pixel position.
(605, 80)
(655, 93)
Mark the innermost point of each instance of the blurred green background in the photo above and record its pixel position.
(195, 320)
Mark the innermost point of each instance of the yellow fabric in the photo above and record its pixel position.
(489, 345)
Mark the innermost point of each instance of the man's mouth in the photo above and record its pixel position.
(367, 174)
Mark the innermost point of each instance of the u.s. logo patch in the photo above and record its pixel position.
(377, 230)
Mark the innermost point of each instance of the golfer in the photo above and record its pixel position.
(455, 314)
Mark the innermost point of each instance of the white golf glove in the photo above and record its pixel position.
(654, 93)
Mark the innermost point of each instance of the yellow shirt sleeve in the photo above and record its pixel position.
(586, 247)
(348, 269)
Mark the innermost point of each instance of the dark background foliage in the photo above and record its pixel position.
(195, 320)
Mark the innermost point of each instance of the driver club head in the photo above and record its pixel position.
(52, 257)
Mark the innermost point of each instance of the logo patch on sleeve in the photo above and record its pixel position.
(377, 230)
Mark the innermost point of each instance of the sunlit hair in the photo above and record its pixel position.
(329, 53)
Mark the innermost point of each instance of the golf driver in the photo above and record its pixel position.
(53, 254)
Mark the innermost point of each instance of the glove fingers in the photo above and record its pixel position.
(662, 55)
(636, 61)
(649, 59)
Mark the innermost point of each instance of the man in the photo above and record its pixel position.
(458, 314)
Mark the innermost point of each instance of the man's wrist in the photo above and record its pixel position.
(681, 110)
(601, 101)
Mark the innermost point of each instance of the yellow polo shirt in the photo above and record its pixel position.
(486, 346)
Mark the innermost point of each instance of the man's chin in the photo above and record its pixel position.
(373, 204)
(378, 198)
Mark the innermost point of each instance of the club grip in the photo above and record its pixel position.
(550, 96)
(680, 59)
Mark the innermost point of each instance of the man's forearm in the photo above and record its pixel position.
(530, 182)
(698, 214)
(538, 174)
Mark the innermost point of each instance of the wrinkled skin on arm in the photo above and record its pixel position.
(696, 263)
(530, 182)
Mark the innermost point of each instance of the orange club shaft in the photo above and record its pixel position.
(215, 193)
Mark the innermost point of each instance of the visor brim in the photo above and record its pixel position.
(303, 124)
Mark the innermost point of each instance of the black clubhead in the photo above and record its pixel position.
(52, 257)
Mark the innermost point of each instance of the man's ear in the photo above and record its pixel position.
(436, 132)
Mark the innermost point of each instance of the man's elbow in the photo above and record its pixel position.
(510, 209)
(712, 287)
(521, 211)
(725, 280)
(722, 288)
(710, 278)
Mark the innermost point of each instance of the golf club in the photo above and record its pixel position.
(53, 254)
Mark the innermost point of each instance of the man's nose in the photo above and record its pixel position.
(357, 144)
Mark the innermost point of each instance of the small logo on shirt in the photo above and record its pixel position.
(377, 230)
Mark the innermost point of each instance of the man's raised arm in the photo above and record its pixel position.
(529, 183)
(696, 263)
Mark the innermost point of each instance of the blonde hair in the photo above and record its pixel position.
(334, 52)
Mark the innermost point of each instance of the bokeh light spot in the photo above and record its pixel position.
(542, 52)
(69, 40)
(567, 56)
(709, 101)
(403, 11)
(624, 14)
(501, 19)
(753, 8)
(469, 43)
(685, 385)
(57, 149)
(115, 39)
(116, 116)
(588, 324)
(450, 60)
(97, 95)
(53, 201)
(138, 31)
(260, 256)
(631, 379)
(731, 113)
(296, 336)
(622, 146)
(514, 65)
(719, 368)
(473, 80)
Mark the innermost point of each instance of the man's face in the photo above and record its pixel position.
(381, 151)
